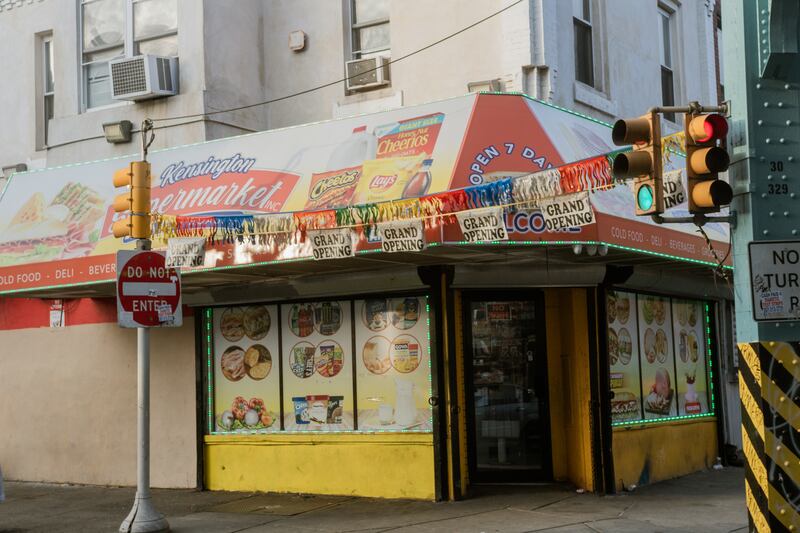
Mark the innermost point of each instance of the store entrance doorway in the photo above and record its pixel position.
(506, 380)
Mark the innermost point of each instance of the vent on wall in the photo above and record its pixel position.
(143, 77)
(367, 73)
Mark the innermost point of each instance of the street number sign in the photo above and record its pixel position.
(148, 292)
(775, 280)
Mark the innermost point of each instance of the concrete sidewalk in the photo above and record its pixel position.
(711, 501)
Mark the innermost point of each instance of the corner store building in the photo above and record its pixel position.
(532, 292)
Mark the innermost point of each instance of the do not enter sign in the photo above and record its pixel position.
(148, 292)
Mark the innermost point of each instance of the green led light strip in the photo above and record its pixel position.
(430, 365)
(709, 354)
(661, 420)
(591, 243)
(210, 359)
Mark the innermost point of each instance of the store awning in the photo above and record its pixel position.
(55, 223)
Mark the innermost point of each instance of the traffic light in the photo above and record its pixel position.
(643, 163)
(136, 201)
(705, 157)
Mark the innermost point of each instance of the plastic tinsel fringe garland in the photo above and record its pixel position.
(587, 175)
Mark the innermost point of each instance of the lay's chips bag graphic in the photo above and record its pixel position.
(386, 179)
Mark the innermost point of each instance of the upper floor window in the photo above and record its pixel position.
(369, 25)
(584, 43)
(45, 89)
(667, 54)
(112, 29)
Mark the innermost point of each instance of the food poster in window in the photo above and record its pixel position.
(393, 376)
(623, 356)
(317, 366)
(691, 363)
(656, 357)
(246, 380)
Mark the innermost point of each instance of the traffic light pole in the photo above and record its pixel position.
(693, 107)
(698, 220)
(762, 64)
(143, 517)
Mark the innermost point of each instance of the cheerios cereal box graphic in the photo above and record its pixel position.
(414, 136)
(386, 179)
(332, 189)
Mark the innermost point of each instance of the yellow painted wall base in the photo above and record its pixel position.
(653, 453)
(374, 465)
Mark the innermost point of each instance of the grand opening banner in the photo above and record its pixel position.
(55, 224)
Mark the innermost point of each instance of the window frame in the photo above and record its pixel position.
(44, 62)
(129, 49)
(136, 43)
(668, 14)
(597, 95)
(586, 24)
(354, 27)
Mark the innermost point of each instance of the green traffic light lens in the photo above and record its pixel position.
(644, 197)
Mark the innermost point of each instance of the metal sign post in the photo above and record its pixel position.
(143, 518)
(762, 80)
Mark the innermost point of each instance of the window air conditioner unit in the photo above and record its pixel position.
(492, 86)
(143, 77)
(367, 73)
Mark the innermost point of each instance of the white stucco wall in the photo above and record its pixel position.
(320, 62)
(233, 56)
(68, 405)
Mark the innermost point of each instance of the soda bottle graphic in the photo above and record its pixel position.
(420, 182)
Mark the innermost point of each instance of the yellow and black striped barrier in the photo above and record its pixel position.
(769, 387)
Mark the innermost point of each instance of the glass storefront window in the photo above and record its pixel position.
(691, 361)
(393, 364)
(658, 363)
(623, 353)
(246, 373)
(318, 370)
(658, 359)
(326, 366)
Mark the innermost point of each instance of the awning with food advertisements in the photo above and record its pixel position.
(492, 170)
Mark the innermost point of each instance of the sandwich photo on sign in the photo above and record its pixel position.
(62, 228)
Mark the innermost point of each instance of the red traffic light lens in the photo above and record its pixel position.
(715, 127)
